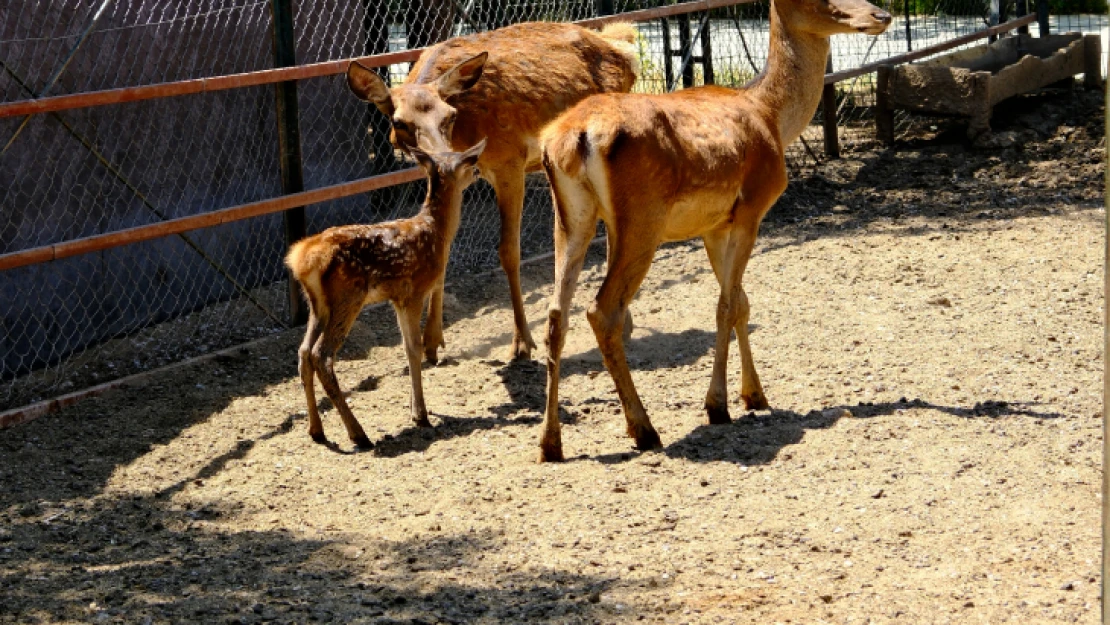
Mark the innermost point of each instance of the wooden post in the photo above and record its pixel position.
(884, 115)
(828, 107)
(289, 142)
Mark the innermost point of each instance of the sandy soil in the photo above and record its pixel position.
(927, 324)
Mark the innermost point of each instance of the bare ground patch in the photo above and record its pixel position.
(927, 324)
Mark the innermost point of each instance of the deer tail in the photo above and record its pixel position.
(308, 259)
(622, 36)
(620, 31)
(565, 149)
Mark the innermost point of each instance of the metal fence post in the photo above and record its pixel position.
(828, 108)
(604, 7)
(906, 12)
(1042, 16)
(289, 141)
(684, 44)
(995, 13)
(1021, 9)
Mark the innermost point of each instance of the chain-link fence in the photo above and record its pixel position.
(86, 171)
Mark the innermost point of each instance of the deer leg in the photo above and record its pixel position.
(630, 260)
(342, 317)
(718, 248)
(304, 365)
(628, 325)
(751, 391)
(570, 252)
(408, 317)
(433, 327)
(509, 185)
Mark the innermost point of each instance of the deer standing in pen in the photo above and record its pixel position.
(504, 85)
(345, 268)
(704, 162)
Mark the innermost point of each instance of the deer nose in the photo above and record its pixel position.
(882, 16)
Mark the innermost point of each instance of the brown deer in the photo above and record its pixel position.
(704, 162)
(504, 85)
(345, 268)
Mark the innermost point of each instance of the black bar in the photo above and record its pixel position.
(1042, 16)
(995, 17)
(909, 39)
(828, 108)
(289, 141)
(707, 54)
(1021, 9)
(604, 7)
(684, 44)
(668, 54)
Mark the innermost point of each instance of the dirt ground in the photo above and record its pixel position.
(927, 323)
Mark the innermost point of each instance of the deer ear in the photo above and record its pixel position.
(470, 157)
(369, 87)
(462, 76)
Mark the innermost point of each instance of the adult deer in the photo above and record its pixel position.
(705, 162)
(504, 85)
(345, 268)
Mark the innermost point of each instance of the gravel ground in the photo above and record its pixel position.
(927, 323)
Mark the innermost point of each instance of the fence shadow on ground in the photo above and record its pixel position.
(141, 560)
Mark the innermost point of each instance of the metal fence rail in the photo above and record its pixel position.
(140, 143)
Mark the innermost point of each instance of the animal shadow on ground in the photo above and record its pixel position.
(758, 438)
(141, 559)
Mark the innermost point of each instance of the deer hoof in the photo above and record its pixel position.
(648, 440)
(552, 453)
(319, 437)
(718, 415)
(756, 401)
(422, 422)
(522, 350)
(362, 442)
(431, 358)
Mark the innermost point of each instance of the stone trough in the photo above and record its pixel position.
(970, 82)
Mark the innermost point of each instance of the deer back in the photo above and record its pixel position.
(534, 72)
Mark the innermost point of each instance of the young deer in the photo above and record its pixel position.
(504, 85)
(345, 268)
(705, 162)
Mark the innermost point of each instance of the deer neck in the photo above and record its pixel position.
(792, 82)
(443, 205)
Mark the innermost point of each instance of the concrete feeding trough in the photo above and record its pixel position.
(970, 82)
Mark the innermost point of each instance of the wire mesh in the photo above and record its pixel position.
(83, 320)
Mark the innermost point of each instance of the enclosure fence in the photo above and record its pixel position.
(157, 158)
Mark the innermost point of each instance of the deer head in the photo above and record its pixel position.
(448, 172)
(422, 115)
(833, 17)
